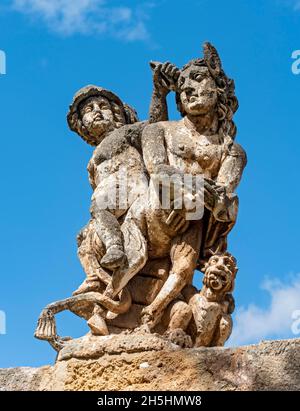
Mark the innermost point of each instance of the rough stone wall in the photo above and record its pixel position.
(272, 365)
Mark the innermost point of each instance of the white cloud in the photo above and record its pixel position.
(68, 17)
(254, 323)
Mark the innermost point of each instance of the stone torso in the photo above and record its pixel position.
(119, 150)
(192, 152)
(117, 169)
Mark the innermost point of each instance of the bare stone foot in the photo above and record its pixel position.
(114, 258)
(98, 325)
(87, 286)
(111, 316)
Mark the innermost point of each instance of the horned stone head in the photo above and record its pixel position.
(203, 86)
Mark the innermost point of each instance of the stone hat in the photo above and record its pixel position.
(95, 91)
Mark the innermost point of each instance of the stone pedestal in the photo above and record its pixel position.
(273, 365)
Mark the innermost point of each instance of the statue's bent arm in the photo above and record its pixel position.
(232, 168)
(165, 76)
(226, 205)
(158, 107)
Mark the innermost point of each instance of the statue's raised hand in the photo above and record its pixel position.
(165, 76)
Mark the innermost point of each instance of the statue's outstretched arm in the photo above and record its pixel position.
(165, 76)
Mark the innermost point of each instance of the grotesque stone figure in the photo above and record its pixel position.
(140, 259)
(206, 315)
(213, 306)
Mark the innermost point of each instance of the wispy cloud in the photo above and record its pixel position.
(296, 4)
(254, 323)
(68, 17)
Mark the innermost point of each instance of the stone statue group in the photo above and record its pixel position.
(140, 256)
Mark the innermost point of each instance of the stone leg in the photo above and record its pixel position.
(184, 256)
(109, 231)
(180, 314)
(177, 318)
(90, 252)
(223, 332)
(135, 246)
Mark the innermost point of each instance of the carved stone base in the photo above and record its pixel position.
(271, 365)
(91, 346)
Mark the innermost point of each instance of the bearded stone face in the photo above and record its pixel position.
(220, 273)
(97, 117)
(198, 90)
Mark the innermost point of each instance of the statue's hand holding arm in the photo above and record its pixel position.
(232, 168)
(226, 202)
(165, 76)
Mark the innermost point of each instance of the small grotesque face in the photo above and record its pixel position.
(220, 273)
(198, 90)
(97, 117)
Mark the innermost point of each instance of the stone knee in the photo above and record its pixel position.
(224, 330)
(87, 253)
(180, 314)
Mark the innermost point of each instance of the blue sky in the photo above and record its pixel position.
(55, 47)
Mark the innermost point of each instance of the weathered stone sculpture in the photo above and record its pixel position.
(213, 306)
(163, 204)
